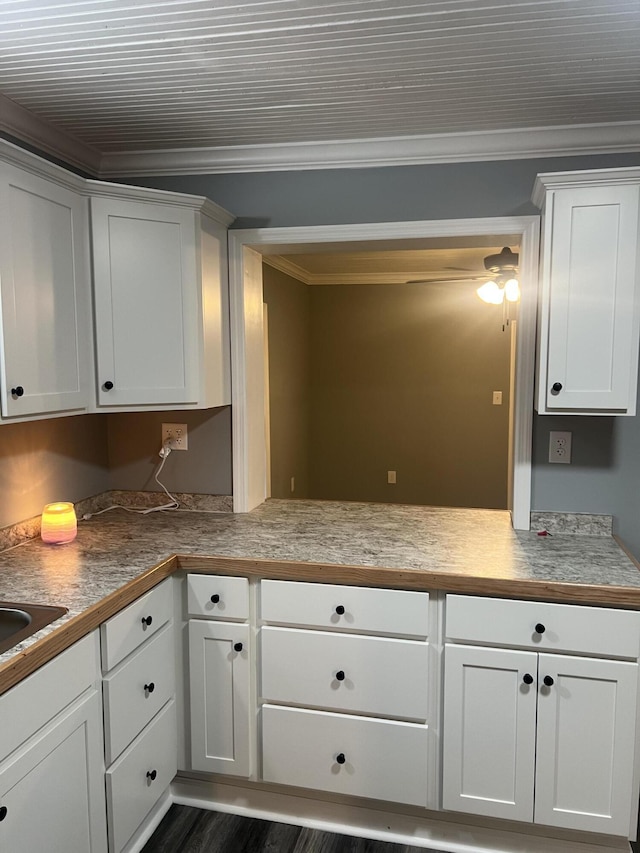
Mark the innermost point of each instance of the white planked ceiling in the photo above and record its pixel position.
(129, 76)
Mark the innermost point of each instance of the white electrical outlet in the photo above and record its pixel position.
(391, 477)
(560, 447)
(176, 435)
(293, 484)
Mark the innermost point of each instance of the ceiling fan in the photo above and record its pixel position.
(500, 287)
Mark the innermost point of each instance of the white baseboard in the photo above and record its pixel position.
(366, 822)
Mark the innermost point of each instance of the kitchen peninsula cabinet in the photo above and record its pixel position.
(590, 292)
(529, 724)
(345, 689)
(161, 299)
(45, 334)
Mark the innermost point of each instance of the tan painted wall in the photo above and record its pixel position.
(51, 460)
(403, 377)
(289, 381)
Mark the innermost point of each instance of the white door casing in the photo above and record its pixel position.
(245, 282)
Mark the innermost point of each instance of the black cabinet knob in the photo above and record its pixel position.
(151, 774)
(3, 812)
(150, 687)
(339, 610)
(340, 675)
(18, 391)
(548, 680)
(556, 388)
(108, 385)
(540, 628)
(215, 598)
(147, 620)
(341, 758)
(237, 647)
(527, 678)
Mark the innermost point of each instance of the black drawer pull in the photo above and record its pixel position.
(3, 812)
(556, 388)
(150, 687)
(340, 610)
(237, 647)
(215, 598)
(340, 675)
(341, 758)
(528, 679)
(540, 628)
(108, 385)
(548, 680)
(18, 391)
(147, 620)
(151, 774)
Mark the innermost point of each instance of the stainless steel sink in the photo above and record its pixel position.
(19, 621)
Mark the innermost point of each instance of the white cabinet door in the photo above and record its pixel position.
(489, 731)
(219, 686)
(145, 282)
(586, 731)
(52, 789)
(589, 338)
(44, 274)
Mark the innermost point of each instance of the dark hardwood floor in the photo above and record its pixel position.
(189, 830)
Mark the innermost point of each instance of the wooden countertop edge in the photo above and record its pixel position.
(44, 650)
(573, 593)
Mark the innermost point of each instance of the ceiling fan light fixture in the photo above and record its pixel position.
(512, 290)
(490, 292)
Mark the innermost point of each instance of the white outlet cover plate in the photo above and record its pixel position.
(559, 447)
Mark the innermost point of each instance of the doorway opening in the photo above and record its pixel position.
(396, 435)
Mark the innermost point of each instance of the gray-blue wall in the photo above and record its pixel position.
(605, 474)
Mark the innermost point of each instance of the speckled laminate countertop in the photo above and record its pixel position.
(434, 547)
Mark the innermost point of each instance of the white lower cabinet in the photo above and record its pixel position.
(220, 675)
(536, 736)
(51, 761)
(219, 687)
(328, 676)
(138, 656)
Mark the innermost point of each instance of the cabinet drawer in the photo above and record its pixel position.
(345, 608)
(565, 627)
(131, 792)
(369, 675)
(136, 691)
(383, 760)
(136, 623)
(218, 597)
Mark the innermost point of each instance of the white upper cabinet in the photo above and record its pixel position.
(44, 273)
(161, 299)
(590, 305)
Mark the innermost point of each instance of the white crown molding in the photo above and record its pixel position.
(25, 160)
(25, 125)
(398, 151)
(209, 208)
(288, 268)
(588, 178)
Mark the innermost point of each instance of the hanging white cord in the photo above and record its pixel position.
(164, 452)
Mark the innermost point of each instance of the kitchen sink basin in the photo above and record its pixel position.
(19, 621)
